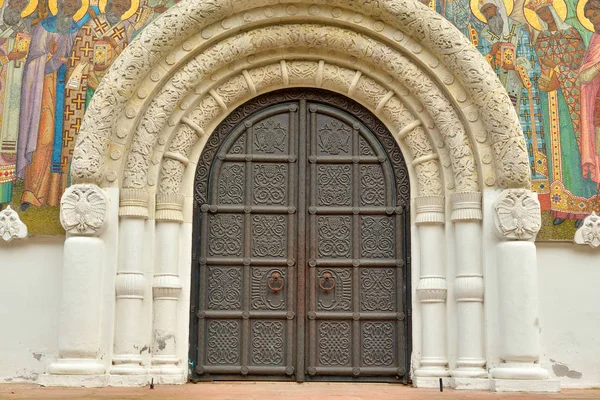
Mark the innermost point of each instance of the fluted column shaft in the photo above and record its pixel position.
(166, 289)
(130, 283)
(431, 289)
(468, 286)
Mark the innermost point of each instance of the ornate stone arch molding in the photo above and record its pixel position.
(155, 110)
(181, 52)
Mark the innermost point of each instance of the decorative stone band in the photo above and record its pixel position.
(468, 288)
(134, 203)
(430, 210)
(466, 206)
(130, 285)
(517, 214)
(432, 289)
(169, 207)
(589, 233)
(83, 210)
(11, 226)
(166, 287)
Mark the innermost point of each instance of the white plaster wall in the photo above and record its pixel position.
(30, 293)
(569, 305)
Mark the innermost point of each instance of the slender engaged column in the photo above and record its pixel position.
(468, 286)
(518, 220)
(130, 284)
(82, 214)
(166, 287)
(432, 287)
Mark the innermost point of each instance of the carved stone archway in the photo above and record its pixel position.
(155, 109)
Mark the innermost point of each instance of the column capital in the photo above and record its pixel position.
(466, 206)
(83, 210)
(430, 210)
(134, 203)
(169, 207)
(517, 215)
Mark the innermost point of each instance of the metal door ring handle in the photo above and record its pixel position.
(275, 282)
(327, 282)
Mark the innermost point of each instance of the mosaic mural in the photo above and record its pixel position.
(53, 54)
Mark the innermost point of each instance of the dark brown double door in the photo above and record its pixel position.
(300, 255)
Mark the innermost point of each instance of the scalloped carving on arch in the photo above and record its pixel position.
(155, 56)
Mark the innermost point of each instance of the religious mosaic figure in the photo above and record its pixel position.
(560, 49)
(506, 45)
(96, 46)
(41, 98)
(15, 25)
(589, 77)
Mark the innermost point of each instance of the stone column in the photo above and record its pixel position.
(468, 287)
(517, 218)
(130, 283)
(166, 286)
(83, 210)
(431, 290)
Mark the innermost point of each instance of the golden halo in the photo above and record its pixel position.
(582, 18)
(135, 4)
(559, 5)
(127, 14)
(1, 3)
(85, 4)
(508, 4)
(27, 11)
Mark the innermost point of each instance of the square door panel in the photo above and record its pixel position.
(378, 289)
(334, 343)
(224, 288)
(268, 342)
(223, 340)
(269, 235)
(270, 184)
(261, 296)
(340, 297)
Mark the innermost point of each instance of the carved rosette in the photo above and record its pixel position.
(466, 206)
(11, 226)
(133, 203)
(432, 289)
(83, 209)
(589, 233)
(169, 207)
(517, 214)
(430, 210)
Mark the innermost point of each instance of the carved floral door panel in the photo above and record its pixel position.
(301, 246)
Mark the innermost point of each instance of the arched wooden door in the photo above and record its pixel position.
(301, 247)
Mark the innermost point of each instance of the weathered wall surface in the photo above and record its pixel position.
(30, 289)
(569, 277)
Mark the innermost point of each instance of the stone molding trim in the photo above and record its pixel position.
(201, 59)
(432, 289)
(166, 287)
(517, 215)
(589, 233)
(11, 226)
(469, 288)
(83, 210)
(466, 206)
(430, 210)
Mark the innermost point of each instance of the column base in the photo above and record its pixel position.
(127, 369)
(430, 382)
(432, 371)
(73, 380)
(523, 385)
(76, 366)
(518, 370)
(470, 383)
(129, 380)
(166, 370)
(469, 372)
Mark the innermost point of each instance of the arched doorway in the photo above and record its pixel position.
(301, 244)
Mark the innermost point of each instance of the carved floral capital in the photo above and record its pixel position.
(83, 210)
(589, 233)
(11, 226)
(518, 214)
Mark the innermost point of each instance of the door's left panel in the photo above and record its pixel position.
(248, 252)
